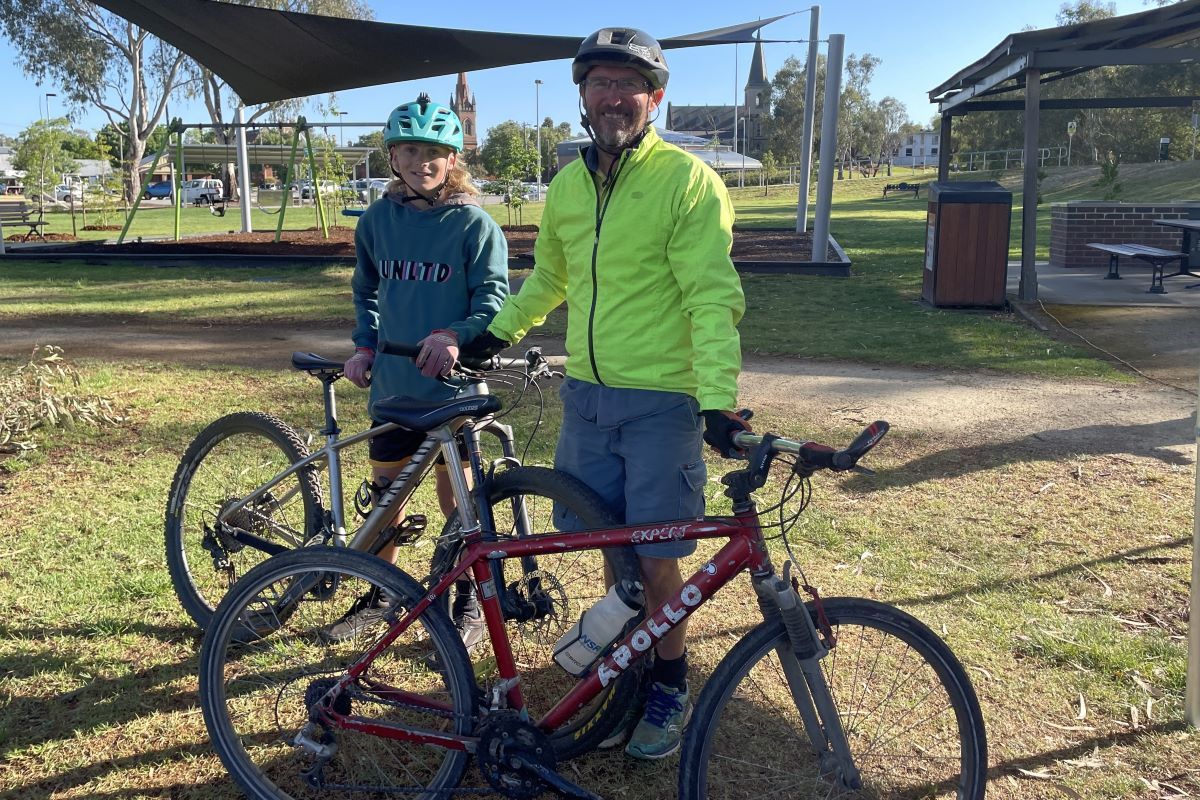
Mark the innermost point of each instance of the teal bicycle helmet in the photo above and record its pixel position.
(424, 121)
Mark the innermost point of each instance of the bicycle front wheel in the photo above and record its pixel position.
(262, 698)
(226, 462)
(548, 593)
(907, 706)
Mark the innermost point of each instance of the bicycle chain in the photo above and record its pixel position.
(365, 695)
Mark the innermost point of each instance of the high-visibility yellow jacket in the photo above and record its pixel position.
(653, 299)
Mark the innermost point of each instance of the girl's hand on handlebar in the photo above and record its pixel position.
(358, 367)
(439, 352)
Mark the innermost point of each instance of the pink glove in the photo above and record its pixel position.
(359, 365)
(439, 351)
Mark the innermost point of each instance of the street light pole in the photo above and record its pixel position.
(742, 121)
(537, 118)
(341, 127)
(48, 95)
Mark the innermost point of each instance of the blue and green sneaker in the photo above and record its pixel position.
(659, 733)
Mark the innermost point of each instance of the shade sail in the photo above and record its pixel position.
(266, 55)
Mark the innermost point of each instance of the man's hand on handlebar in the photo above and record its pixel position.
(719, 428)
(485, 345)
(358, 367)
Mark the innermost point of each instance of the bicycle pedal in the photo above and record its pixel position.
(409, 530)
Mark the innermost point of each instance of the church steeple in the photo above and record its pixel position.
(758, 89)
(463, 104)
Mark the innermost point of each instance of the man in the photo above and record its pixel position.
(636, 237)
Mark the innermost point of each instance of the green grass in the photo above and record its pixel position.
(1046, 596)
(873, 317)
(158, 222)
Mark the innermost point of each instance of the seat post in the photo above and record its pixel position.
(331, 428)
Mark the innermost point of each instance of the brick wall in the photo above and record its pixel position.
(1074, 224)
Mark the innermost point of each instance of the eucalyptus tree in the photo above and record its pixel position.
(220, 101)
(98, 59)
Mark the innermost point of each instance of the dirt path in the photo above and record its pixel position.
(1073, 417)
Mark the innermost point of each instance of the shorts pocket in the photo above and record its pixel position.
(692, 478)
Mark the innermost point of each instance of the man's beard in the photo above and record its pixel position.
(617, 133)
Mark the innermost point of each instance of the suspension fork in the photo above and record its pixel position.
(801, 663)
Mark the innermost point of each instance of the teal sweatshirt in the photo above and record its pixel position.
(418, 271)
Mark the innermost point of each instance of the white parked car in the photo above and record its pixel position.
(202, 191)
(65, 193)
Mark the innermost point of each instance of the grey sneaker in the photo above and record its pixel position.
(659, 733)
(368, 610)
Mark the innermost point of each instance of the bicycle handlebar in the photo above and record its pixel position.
(821, 456)
(531, 361)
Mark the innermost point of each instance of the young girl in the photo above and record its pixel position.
(432, 269)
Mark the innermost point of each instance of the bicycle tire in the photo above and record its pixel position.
(578, 584)
(226, 461)
(738, 719)
(256, 695)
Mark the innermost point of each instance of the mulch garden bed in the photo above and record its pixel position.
(748, 244)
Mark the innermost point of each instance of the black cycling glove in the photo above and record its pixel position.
(485, 345)
(719, 430)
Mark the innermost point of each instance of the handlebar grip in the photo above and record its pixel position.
(846, 459)
(481, 363)
(399, 349)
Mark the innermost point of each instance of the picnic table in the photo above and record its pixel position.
(1189, 227)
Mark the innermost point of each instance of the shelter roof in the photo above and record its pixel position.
(1070, 49)
(312, 54)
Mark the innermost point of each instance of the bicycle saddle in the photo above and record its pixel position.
(424, 415)
(311, 362)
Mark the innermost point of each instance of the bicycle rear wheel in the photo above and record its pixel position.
(910, 715)
(257, 696)
(552, 597)
(227, 461)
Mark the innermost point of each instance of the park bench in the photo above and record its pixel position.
(915, 188)
(1156, 257)
(18, 214)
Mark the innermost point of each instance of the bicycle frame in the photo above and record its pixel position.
(746, 549)
(398, 492)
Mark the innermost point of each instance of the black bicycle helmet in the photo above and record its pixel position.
(624, 47)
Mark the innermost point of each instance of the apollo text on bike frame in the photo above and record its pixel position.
(650, 632)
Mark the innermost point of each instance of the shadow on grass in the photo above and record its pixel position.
(103, 702)
(1079, 750)
(1150, 440)
(1066, 569)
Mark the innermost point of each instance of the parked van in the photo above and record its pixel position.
(202, 191)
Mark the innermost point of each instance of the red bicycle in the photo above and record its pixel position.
(839, 697)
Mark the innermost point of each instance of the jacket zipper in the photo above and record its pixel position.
(611, 182)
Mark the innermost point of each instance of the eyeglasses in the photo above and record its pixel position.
(626, 87)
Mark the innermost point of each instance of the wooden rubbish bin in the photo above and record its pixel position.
(966, 243)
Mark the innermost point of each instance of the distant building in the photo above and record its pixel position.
(718, 122)
(720, 157)
(9, 178)
(918, 149)
(463, 104)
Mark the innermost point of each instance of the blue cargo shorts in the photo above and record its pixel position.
(640, 450)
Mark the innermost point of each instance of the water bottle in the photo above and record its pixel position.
(599, 626)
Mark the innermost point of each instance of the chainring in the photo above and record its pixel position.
(503, 738)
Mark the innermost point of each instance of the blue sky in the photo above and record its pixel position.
(920, 44)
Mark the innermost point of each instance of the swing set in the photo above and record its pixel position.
(217, 205)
